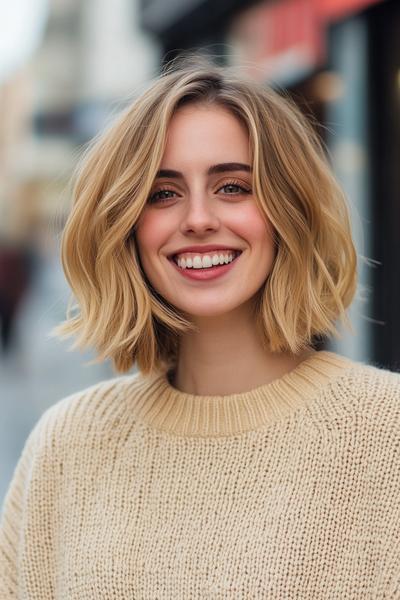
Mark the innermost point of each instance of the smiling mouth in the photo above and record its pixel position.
(173, 259)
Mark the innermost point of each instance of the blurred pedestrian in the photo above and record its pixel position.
(15, 267)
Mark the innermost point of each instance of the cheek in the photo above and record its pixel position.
(252, 226)
(150, 233)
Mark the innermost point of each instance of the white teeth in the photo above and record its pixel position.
(198, 262)
(206, 261)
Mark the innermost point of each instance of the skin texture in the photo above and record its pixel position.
(199, 208)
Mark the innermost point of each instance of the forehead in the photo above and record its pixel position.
(200, 130)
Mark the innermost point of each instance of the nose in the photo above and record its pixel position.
(200, 216)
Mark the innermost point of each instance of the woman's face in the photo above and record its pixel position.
(203, 196)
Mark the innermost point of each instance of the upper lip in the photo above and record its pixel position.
(205, 248)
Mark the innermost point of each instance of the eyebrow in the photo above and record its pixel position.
(221, 168)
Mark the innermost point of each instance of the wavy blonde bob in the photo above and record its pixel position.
(313, 278)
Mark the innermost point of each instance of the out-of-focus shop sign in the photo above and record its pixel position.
(277, 41)
(284, 41)
(339, 9)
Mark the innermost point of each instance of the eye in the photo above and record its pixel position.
(234, 188)
(161, 196)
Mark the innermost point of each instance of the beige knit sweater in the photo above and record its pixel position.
(133, 489)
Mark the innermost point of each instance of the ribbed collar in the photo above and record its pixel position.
(160, 405)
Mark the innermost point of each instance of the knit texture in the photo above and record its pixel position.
(132, 489)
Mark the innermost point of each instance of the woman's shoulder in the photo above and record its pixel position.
(92, 411)
(375, 390)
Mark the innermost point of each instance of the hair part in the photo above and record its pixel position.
(314, 275)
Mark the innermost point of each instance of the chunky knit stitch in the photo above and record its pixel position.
(132, 489)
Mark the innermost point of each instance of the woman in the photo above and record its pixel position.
(210, 245)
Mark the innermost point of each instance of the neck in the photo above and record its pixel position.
(227, 357)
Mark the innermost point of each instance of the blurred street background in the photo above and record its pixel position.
(67, 67)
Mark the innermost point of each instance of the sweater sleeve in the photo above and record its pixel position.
(30, 538)
(388, 430)
(12, 519)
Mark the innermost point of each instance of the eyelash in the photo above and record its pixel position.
(242, 188)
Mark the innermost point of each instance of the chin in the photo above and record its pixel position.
(209, 311)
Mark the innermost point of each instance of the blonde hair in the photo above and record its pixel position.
(313, 278)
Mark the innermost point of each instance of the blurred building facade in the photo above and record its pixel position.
(340, 61)
(94, 55)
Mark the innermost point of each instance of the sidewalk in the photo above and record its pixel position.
(41, 371)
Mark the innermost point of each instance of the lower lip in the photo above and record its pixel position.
(205, 274)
